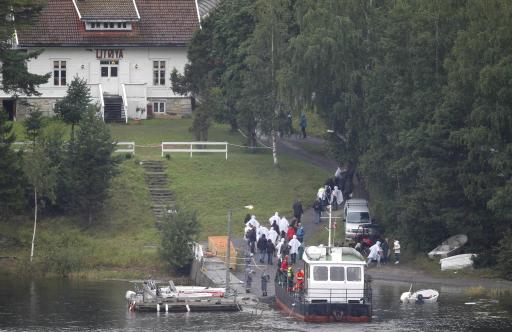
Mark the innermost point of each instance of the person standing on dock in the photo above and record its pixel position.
(264, 281)
(294, 248)
(262, 247)
(396, 248)
(270, 251)
(303, 124)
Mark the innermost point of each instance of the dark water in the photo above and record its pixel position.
(76, 305)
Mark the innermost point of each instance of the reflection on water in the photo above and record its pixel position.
(48, 305)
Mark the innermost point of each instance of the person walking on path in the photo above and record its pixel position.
(396, 248)
(262, 248)
(385, 251)
(279, 248)
(303, 124)
(270, 251)
(300, 232)
(275, 218)
(283, 225)
(264, 281)
(317, 206)
(374, 255)
(297, 210)
(251, 237)
(294, 248)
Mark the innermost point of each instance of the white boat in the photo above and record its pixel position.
(420, 297)
(151, 291)
(457, 262)
(449, 247)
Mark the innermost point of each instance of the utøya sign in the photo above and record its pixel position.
(109, 53)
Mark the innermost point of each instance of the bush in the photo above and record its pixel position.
(64, 253)
(180, 229)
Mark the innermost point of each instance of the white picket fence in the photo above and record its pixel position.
(127, 147)
(190, 147)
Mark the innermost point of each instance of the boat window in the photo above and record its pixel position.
(353, 274)
(320, 273)
(337, 273)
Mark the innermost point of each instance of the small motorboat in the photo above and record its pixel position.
(421, 296)
(457, 262)
(449, 247)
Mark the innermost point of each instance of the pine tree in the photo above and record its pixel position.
(74, 105)
(11, 177)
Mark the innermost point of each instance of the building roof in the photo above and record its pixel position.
(162, 23)
(107, 9)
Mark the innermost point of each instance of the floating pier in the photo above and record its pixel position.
(185, 306)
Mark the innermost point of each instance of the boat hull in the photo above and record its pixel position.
(290, 304)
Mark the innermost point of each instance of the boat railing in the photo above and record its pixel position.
(328, 295)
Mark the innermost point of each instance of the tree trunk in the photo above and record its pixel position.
(274, 148)
(234, 125)
(35, 224)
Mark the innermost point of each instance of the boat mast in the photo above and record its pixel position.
(330, 225)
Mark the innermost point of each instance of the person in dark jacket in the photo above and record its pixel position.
(317, 206)
(251, 236)
(297, 210)
(271, 249)
(385, 251)
(262, 247)
(275, 226)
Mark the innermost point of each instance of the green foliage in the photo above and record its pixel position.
(64, 253)
(179, 230)
(34, 124)
(90, 165)
(74, 105)
(505, 256)
(11, 175)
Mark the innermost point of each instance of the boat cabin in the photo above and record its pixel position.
(333, 274)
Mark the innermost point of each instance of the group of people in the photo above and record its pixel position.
(280, 238)
(380, 252)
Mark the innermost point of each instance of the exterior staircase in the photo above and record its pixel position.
(162, 198)
(114, 109)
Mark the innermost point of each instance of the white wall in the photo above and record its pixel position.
(136, 67)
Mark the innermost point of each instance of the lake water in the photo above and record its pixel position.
(78, 305)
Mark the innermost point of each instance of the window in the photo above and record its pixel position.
(337, 273)
(158, 72)
(108, 68)
(159, 107)
(59, 73)
(108, 26)
(320, 273)
(353, 274)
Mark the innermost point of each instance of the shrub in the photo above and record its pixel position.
(180, 228)
(64, 253)
(504, 256)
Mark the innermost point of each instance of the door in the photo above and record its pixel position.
(109, 76)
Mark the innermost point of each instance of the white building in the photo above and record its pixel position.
(124, 49)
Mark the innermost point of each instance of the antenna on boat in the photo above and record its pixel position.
(330, 225)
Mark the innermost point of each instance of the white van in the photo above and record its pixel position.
(355, 213)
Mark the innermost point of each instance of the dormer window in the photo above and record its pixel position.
(108, 26)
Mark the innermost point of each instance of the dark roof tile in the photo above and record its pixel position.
(107, 9)
(162, 23)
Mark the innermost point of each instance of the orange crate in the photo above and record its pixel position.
(217, 245)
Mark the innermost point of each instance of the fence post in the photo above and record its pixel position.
(191, 145)
(226, 150)
(162, 149)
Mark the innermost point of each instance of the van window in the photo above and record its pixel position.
(337, 273)
(320, 273)
(358, 217)
(353, 274)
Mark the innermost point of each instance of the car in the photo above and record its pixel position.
(355, 213)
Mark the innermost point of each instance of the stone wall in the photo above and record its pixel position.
(45, 105)
(174, 107)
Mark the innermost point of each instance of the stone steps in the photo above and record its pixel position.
(162, 198)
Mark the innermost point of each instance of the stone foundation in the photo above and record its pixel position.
(45, 105)
(174, 107)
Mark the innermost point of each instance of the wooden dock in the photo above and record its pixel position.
(186, 306)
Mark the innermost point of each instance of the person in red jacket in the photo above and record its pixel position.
(299, 285)
(290, 233)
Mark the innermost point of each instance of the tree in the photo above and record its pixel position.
(16, 79)
(11, 177)
(74, 105)
(42, 177)
(180, 229)
(34, 125)
(91, 165)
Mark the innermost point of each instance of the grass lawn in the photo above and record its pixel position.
(121, 244)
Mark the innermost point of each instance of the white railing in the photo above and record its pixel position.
(125, 103)
(189, 147)
(129, 147)
(102, 102)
